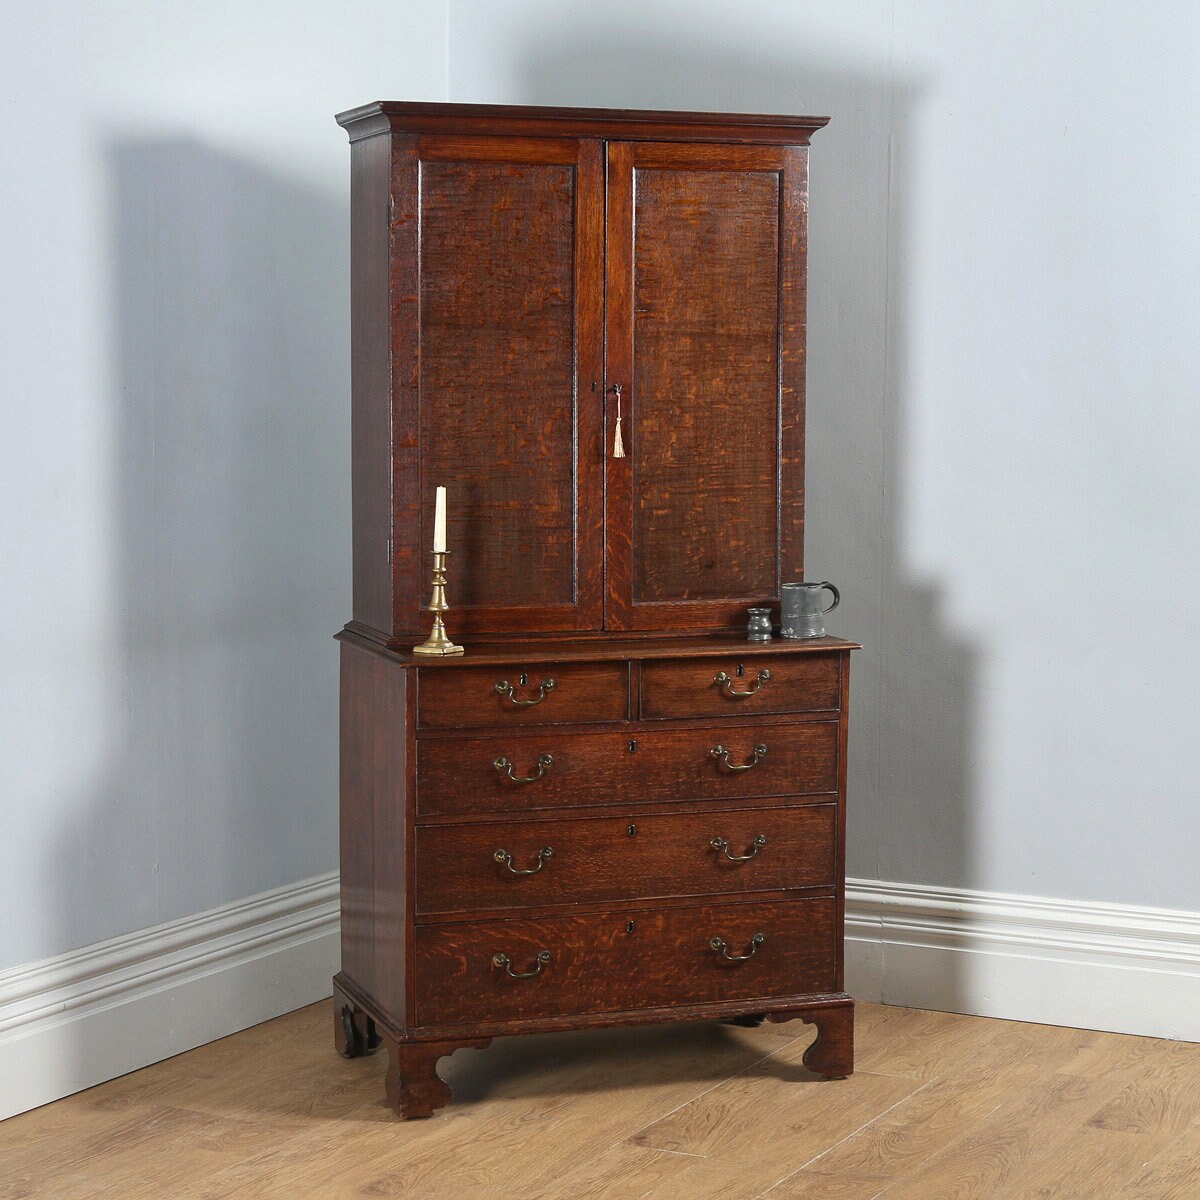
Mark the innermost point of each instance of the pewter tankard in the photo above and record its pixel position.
(801, 611)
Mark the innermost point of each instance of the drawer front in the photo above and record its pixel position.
(519, 864)
(706, 687)
(551, 769)
(595, 963)
(548, 693)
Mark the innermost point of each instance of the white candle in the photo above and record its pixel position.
(439, 521)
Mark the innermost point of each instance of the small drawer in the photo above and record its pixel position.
(552, 768)
(525, 864)
(757, 683)
(543, 694)
(498, 971)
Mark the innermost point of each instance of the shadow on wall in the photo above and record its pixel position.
(231, 520)
(911, 786)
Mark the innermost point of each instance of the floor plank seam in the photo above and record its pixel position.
(704, 1091)
(877, 1117)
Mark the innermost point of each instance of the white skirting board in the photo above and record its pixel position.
(1055, 962)
(76, 1020)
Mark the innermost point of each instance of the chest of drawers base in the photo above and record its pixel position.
(553, 838)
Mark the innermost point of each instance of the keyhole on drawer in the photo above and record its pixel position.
(632, 831)
(523, 678)
(741, 670)
(629, 927)
(633, 746)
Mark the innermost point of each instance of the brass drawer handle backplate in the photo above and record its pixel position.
(725, 683)
(722, 847)
(509, 689)
(502, 960)
(543, 856)
(506, 769)
(721, 947)
(721, 754)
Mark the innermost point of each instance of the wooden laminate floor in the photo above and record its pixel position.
(941, 1106)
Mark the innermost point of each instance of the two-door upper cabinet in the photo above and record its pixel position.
(522, 278)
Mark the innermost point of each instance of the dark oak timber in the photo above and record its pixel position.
(594, 857)
(706, 513)
(553, 693)
(612, 809)
(573, 770)
(597, 963)
(510, 270)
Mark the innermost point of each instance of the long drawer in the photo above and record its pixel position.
(519, 864)
(506, 970)
(549, 769)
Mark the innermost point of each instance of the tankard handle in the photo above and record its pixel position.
(837, 597)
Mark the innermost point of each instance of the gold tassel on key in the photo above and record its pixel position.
(618, 444)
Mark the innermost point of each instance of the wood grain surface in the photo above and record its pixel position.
(704, 404)
(623, 858)
(615, 962)
(500, 405)
(460, 775)
(765, 684)
(643, 648)
(551, 693)
(705, 515)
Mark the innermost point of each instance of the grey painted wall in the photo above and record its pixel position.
(1004, 422)
(175, 349)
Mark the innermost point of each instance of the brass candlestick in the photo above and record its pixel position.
(438, 642)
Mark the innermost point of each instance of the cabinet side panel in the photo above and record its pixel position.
(371, 423)
(840, 865)
(410, 571)
(374, 774)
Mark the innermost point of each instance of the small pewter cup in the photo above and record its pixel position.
(759, 627)
(801, 611)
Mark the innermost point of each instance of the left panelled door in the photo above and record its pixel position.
(497, 378)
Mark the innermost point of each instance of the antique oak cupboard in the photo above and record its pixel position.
(612, 808)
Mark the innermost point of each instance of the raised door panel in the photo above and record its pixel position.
(509, 298)
(705, 331)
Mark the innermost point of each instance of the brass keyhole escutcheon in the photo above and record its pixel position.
(632, 831)
(629, 927)
(523, 678)
(741, 670)
(633, 746)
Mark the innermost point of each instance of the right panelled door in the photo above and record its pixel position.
(705, 312)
